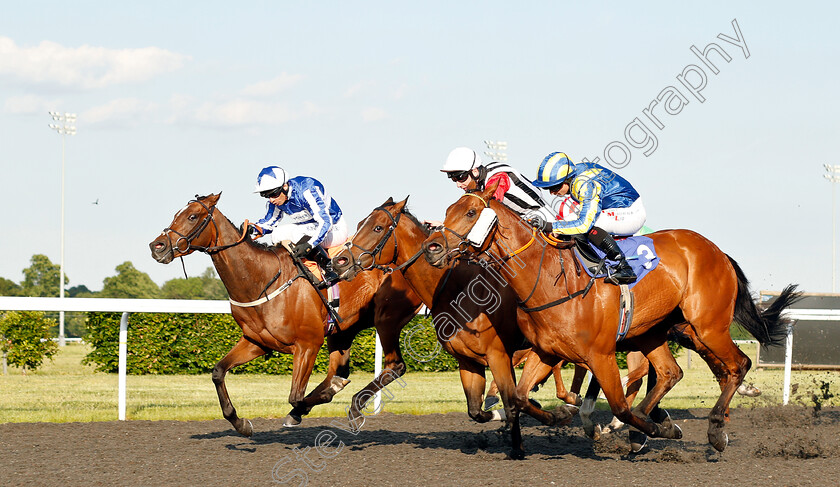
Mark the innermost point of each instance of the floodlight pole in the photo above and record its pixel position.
(833, 176)
(65, 127)
(496, 150)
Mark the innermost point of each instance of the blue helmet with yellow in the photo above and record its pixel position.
(554, 169)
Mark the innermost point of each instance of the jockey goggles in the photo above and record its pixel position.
(458, 176)
(272, 193)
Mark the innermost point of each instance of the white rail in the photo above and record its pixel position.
(126, 306)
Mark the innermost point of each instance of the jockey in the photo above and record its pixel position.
(608, 205)
(465, 168)
(316, 218)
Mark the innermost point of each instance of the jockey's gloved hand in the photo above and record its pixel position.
(256, 231)
(541, 225)
(302, 250)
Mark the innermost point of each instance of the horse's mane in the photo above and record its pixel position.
(423, 228)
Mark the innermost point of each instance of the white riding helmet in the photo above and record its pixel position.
(271, 177)
(461, 159)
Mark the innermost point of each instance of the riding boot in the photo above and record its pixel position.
(623, 273)
(320, 256)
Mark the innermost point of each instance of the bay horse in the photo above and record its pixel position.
(696, 289)
(474, 316)
(277, 311)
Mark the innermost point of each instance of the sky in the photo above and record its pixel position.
(177, 99)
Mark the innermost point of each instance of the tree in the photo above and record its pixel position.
(26, 338)
(41, 278)
(80, 291)
(129, 283)
(208, 286)
(9, 288)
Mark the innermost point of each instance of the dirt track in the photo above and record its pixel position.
(768, 447)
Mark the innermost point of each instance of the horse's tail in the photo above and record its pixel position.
(767, 326)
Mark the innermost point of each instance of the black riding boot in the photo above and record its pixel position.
(623, 273)
(320, 256)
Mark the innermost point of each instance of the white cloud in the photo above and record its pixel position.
(86, 66)
(373, 114)
(120, 111)
(270, 87)
(241, 112)
(357, 88)
(29, 104)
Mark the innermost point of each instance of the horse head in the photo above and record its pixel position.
(190, 230)
(467, 228)
(374, 245)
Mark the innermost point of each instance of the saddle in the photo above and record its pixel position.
(310, 270)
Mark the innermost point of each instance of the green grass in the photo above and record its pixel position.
(64, 390)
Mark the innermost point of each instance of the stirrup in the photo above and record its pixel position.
(621, 276)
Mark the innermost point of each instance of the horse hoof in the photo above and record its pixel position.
(291, 421)
(516, 455)
(749, 390)
(491, 403)
(246, 429)
(719, 440)
(498, 415)
(638, 440)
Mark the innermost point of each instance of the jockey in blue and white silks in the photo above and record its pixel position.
(301, 212)
(607, 205)
(308, 209)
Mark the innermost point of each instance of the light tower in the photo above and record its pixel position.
(833, 176)
(66, 125)
(496, 151)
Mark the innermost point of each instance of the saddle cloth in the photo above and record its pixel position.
(638, 250)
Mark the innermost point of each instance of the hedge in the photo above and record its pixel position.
(168, 343)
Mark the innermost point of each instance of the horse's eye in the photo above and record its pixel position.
(378, 229)
(193, 218)
(471, 213)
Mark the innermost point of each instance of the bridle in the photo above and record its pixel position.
(380, 246)
(198, 230)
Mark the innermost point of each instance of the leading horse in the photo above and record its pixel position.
(277, 310)
(696, 288)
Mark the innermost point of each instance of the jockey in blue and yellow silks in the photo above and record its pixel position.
(608, 205)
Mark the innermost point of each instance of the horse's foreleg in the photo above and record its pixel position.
(303, 362)
(537, 369)
(605, 369)
(393, 367)
(503, 375)
(337, 373)
(564, 395)
(637, 368)
(244, 351)
(473, 381)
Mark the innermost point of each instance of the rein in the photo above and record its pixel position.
(199, 229)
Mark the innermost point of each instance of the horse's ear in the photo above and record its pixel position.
(487, 194)
(212, 199)
(401, 204)
(389, 201)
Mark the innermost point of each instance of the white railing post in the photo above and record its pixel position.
(788, 364)
(377, 369)
(123, 351)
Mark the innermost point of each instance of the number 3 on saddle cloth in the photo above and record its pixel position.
(641, 255)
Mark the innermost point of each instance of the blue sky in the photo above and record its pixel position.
(182, 98)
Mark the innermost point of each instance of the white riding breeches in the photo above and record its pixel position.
(623, 221)
(336, 235)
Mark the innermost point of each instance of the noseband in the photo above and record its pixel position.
(380, 246)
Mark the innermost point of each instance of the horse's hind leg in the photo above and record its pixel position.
(492, 396)
(473, 381)
(244, 351)
(336, 379)
(303, 362)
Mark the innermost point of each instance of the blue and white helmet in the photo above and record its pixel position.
(271, 177)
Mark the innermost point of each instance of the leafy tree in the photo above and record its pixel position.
(208, 286)
(9, 288)
(129, 283)
(41, 278)
(80, 291)
(26, 338)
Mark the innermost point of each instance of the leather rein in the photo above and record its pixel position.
(380, 246)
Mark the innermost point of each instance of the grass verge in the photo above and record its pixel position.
(64, 391)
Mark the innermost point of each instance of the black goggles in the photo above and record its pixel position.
(272, 193)
(459, 176)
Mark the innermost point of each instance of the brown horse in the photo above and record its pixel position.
(278, 311)
(475, 318)
(696, 289)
